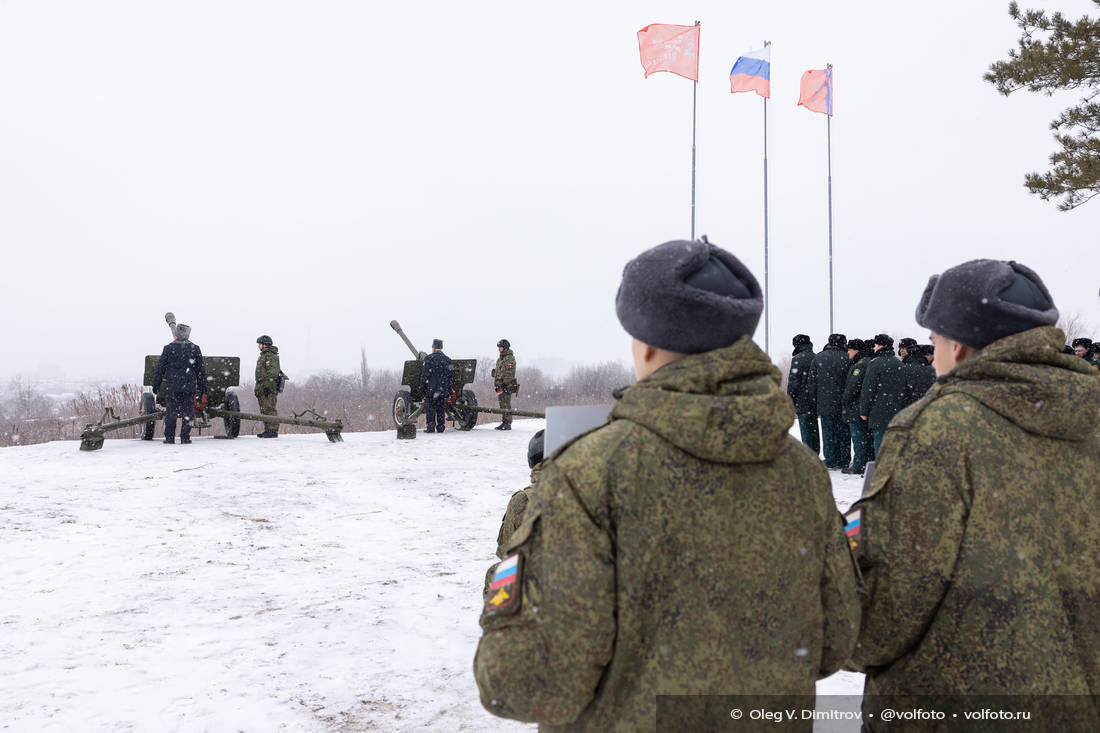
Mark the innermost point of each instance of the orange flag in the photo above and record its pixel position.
(816, 90)
(672, 48)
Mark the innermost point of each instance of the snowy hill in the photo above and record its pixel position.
(257, 585)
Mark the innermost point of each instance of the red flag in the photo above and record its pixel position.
(816, 90)
(672, 48)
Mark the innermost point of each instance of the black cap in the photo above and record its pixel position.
(982, 301)
(534, 449)
(883, 339)
(800, 340)
(437, 343)
(856, 344)
(1086, 342)
(504, 344)
(688, 297)
(907, 343)
(265, 340)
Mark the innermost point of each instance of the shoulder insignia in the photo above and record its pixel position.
(855, 372)
(505, 588)
(853, 527)
(267, 363)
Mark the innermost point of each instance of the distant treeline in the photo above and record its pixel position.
(362, 400)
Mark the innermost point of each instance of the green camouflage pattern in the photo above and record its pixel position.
(504, 373)
(689, 546)
(267, 402)
(513, 514)
(980, 540)
(267, 371)
(504, 399)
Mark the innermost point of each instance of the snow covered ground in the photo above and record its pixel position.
(256, 585)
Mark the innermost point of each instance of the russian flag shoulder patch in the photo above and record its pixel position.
(505, 587)
(853, 527)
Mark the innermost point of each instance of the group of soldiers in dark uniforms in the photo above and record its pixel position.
(691, 548)
(854, 387)
(1085, 348)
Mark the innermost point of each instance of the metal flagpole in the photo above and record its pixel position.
(829, 147)
(694, 95)
(767, 291)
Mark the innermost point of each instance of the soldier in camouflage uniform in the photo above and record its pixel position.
(690, 545)
(979, 534)
(504, 381)
(517, 505)
(267, 383)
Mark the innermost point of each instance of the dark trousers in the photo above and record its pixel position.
(807, 426)
(879, 434)
(179, 404)
(436, 411)
(505, 399)
(863, 446)
(835, 441)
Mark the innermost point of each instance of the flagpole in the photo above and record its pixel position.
(829, 148)
(767, 291)
(694, 96)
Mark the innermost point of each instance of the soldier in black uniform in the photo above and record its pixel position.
(181, 365)
(436, 378)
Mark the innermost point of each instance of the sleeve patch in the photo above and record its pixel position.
(505, 588)
(853, 527)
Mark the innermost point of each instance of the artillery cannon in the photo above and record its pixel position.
(222, 374)
(461, 407)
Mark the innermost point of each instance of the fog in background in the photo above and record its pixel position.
(484, 170)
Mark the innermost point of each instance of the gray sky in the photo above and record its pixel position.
(483, 170)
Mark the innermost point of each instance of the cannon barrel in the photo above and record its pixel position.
(419, 355)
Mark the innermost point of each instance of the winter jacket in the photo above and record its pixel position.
(853, 387)
(883, 392)
(267, 372)
(691, 545)
(504, 375)
(979, 535)
(181, 366)
(436, 375)
(827, 375)
(798, 381)
(919, 377)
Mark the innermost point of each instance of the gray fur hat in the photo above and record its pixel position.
(982, 301)
(688, 297)
(183, 331)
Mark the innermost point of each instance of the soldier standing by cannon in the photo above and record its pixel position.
(181, 365)
(436, 380)
(504, 381)
(267, 383)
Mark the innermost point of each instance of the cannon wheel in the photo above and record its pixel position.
(467, 418)
(148, 407)
(232, 424)
(402, 407)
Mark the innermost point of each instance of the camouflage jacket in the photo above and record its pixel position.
(689, 546)
(505, 372)
(513, 514)
(267, 371)
(979, 535)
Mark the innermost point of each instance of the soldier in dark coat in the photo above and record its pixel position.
(919, 374)
(859, 358)
(690, 545)
(436, 379)
(1082, 347)
(827, 375)
(182, 369)
(904, 346)
(883, 393)
(978, 534)
(798, 389)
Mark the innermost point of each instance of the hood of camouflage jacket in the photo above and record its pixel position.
(1026, 379)
(723, 405)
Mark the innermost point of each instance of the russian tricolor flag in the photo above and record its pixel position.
(753, 73)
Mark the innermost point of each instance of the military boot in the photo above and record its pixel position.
(503, 426)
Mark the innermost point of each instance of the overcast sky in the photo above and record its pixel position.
(312, 170)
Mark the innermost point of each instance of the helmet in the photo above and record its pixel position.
(534, 448)
(504, 344)
(265, 340)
